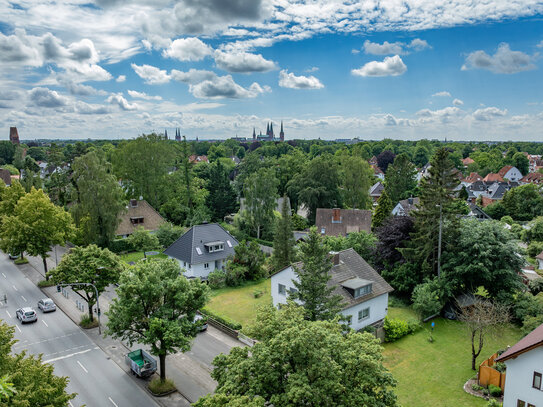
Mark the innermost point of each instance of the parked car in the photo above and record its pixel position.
(201, 322)
(13, 256)
(26, 314)
(47, 305)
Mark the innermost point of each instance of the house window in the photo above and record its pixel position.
(282, 289)
(292, 290)
(363, 314)
(359, 292)
(323, 231)
(184, 264)
(536, 383)
(206, 265)
(521, 403)
(349, 319)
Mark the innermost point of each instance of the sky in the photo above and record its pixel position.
(403, 69)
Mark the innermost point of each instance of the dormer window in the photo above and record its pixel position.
(359, 292)
(357, 287)
(133, 203)
(213, 247)
(136, 220)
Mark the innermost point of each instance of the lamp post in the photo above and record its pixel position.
(439, 240)
(97, 300)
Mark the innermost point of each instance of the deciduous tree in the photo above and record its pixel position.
(357, 177)
(222, 199)
(283, 240)
(400, 179)
(142, 240)
(260, 191)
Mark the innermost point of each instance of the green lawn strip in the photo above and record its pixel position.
(238, 303)
(432, 374)
(135, 256)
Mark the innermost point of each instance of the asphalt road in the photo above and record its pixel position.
(97, 380)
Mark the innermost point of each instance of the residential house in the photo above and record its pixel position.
(198, 159)
(5, 176)
(405, 206)
(373, 160)
(476, 212)
(202, 249)
(493, 177)
(471, 178)
(341, 222)
(524, 374)
(424, 172)
(467, 161)
(139, 214)
(378, 172)
(376, 190)
(532, 178)
(539, 259)
(363, 291)
(510, 173)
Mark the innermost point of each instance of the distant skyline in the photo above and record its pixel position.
(460, 70)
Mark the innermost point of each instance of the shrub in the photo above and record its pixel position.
(530, 323)
(168, 233)
(86, 323)
(494, 391)
(507, 219)
(46, 283)
(534, 248)
(258, 293)
(142, 240)
(525, 305)
(493, 403)
(427, 300)
(414, 325)
(21, 260)
(223, 320)
(395, 329)
(158, 387)
(486, 392)
(235, 274)
(536, 286)
(216, 279)
(476, 387)
(500, 367)
(120, 245)
(298, 222)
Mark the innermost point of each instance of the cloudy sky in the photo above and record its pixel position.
(460, 69)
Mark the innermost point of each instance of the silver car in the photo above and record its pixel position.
(26, 314)
(47, 305)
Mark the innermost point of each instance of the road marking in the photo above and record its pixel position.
(45, 323)
(9, 315)
(112, 402)
(48, 340)
(15, 288)
(82, 367)
(68, 356)
(70, 403)
(24, 299)
(19, 329)
(4, 275)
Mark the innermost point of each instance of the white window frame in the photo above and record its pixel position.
(282, 289)
(361, 314)
(206, 266)
(366, 290)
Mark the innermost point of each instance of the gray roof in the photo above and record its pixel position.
(409, 204)
(355, 283)
(186, 247)
(377, 189)
(351, 220)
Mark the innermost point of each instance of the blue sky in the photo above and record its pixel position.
(328, 69)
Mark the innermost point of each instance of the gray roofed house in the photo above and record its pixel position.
(405, 206)
(475, 211)
(202, 249)
(341, 222)
(363, 291)
(376, 190)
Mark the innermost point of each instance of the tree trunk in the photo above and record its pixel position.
(162, 367)
(45, 267)
(91, 316)
(473, 355)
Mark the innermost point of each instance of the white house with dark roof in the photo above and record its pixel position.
(202, 249)
(364, 292)
(405, 207)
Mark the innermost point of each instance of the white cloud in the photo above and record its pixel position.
(418, 45)
(119, 100)
(390, 66)
(458, 102)
(540, 45)
(355, 51)
(143, 95)
(85, 108)
(81, 90)
(243, 62)
(44, 97)
(385, 48)
(442, 94)
(224, 87)
(121, 78)
(488, 113)
(151, 74)
(188, 49)
(193, 76)
(503, 61)
(289, 80)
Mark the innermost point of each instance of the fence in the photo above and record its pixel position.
(230, 332)
(489, 375)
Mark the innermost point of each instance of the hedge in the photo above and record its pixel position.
(223, 320)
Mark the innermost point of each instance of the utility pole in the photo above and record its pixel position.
(439, 241)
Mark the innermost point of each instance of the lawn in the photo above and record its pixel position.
(432, 374)
(135, 256)
(239, 303)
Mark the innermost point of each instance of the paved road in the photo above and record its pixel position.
(97, 379)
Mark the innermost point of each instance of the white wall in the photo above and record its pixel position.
(198, 270)
(513, 174)
(519, 378)
(540, 264)
(398, 210)
(378, 306)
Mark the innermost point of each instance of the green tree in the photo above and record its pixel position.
(90, 264)
(523, 203)
(400, 179)
(421, 155)
(7, 150)
(99, 197)
(142, 240)
(260, 191)
(362, 242)
(168, 233)
(249, 257)
(222, 199)
(316, 296)
(283, 240)
(304, 363)
(382, 211)
(522, 163)
(26, 380)
(357, 179)
(156, 306)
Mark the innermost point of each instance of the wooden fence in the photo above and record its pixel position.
(489, 375)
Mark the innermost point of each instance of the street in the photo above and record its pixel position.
(96, 379)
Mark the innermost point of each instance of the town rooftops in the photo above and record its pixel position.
(197, 245)
(377, 189)
(467, 161)
(533, 340)
(533, 177)
(492, 177)
(504, 170)
(139, 213)
(409, 204)
(340, 222)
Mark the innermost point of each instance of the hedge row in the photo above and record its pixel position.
(223, 320)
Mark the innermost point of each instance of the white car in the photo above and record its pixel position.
(26, 314)
(47, 305)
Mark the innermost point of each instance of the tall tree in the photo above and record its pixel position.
(156, 306)
(521, 162)
(437, 205)
(303, 363)
(283, 240)
(400, 178)
(357, 179)
(384, 159)
(421, 155)
(38, 222)
(222, 199)
(31, 382)
(382, 210)
(260, 191)
(317, 298)
(89, 264)
(99, 197)
(187, 174)
(392, 235)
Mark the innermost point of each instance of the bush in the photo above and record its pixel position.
(493, 403)
(168, 233)
(235, 274)
(395, 329)
(298, 222)
(530, 323)
(507, 219)
(21, 260)
(525, 305)
(476, 387)
(216, 279)
(86, 323)
(120, 246)
(534, 248)
(223, 320)
(158, 387)
(494, 391)
(257, 293)
(536, 286)
(427, 300)
(500, 367)
(46, 283)
(142, 240)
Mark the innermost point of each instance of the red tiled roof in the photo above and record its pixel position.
(504, 170)
(472, 177)
(492, 177)
(467, 161)
(529, 342)
(533, 177)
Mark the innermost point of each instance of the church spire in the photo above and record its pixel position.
(254, 133)
(282, 133)
(271, 130)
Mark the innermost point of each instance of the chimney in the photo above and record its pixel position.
(334, 256)
(336, 215)
(410, 200)
(133, 203)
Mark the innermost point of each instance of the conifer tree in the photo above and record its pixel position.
(312, 290)
(283, 242)
(400, 178)
(382, 212)
(222, 198)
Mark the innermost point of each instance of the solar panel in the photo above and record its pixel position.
(198, 250)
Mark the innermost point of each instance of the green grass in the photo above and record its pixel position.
(433, 374)
(159, 387)
(135, 256)
(239, 303)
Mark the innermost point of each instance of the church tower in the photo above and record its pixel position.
(254, 134)
(271, 131)
(13, 135)
(282, 133)
(166, 134)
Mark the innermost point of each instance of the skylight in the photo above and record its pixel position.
(229, 243)
(198, 250)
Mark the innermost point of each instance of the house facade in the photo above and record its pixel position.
(510, 173)
(202, 249)
(405, 206)
(341, 222)
(139, 213)
(539, 259)
(524, 374)
(364, 292)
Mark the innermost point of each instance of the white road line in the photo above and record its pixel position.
(19, 329)
(70, 403)
(4, 275)
(24, 299)
(15, 288)
(45, 323)
(7, 312)
(112, 402)
(66, 356)
(82, 367)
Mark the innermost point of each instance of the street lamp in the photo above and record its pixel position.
(439, 241)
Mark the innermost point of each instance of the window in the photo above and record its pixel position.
(536, 383)
(198, 250)
(359, 292)
(323, 231)
(292, 290)
(229, 243)
(206, 265)
(521, 403)
(282, 289)
(184, 264)
(363, 314)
